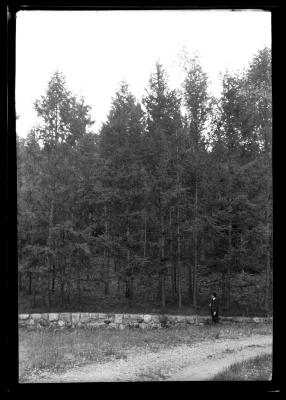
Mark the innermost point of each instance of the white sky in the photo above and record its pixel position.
(97, 49)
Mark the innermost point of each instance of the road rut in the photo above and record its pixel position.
(199, 361)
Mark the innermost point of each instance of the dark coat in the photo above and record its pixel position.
(214, 305)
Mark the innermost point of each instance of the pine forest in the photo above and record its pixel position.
(169, 201)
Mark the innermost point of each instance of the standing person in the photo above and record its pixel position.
(214, 307)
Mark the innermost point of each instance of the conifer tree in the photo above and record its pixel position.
(196, 101)
(122, 181)
(163, 123)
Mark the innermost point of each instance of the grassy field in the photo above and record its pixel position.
(256, 369)
(49, 350)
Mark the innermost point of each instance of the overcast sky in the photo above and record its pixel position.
(97, 49)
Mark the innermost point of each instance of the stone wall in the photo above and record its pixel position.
(120, 321)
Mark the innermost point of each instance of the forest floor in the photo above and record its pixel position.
(93, 304)
(101, 355)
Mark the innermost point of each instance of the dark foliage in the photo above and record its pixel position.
(169, 202)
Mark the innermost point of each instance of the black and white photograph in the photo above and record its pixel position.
(144, 195)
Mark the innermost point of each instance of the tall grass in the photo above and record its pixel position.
(256, 369)
(41, 350)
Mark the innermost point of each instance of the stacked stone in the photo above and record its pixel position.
(120, 321)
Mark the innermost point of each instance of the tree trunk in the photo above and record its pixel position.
(268, 241)
(106, 287)
(195, 249)
(53, 277)
(174, 278)
(163, 262)
(267, 275)
(108, 251)
(223, 287)
(126, 289)
(20, 281)
(129, 292)
(30, 282)
(178, 224)
(33, 291)
(203, 254)
(69, 292)
(228, 268)
(62, 293)
(145, 234)
(179, 259)
(78, 288)
(195, 275)
(48, 290)
(51, 221)
(56, 124)
(190, 282)
(179, 286)
(62, 288)
(34, 298)
(240, 252)
(190, 276)
(163, 294)
(174, 272)
(106, 254)
(118, 285)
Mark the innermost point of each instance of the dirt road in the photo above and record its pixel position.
(180, 363)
